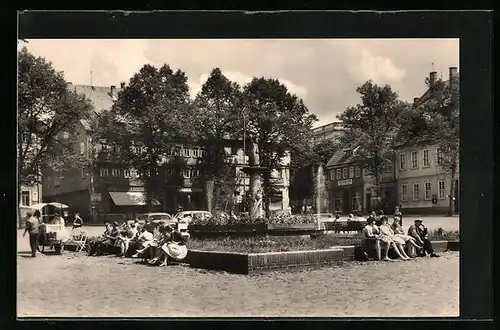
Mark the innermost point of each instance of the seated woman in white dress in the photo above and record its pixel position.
(388, 234)
(173, 248)
(410, 242)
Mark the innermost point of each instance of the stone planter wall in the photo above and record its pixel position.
(248, 263)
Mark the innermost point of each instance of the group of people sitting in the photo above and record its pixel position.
(155, 244)
(392, 237)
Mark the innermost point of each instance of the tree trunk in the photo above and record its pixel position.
(255, 203)
(451, 195)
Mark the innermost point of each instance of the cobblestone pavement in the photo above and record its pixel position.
(74, 285)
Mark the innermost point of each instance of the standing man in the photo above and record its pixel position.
(32, 228)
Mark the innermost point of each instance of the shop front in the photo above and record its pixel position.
(346, 197)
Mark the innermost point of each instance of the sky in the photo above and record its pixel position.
(323, 72)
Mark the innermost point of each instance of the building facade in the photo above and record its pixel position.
(327, 132)
(352, 189)
(28, 195)
(109, 190)
(424, 187)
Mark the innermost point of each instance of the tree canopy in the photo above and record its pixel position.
(46, 110)
(372, 126)
(277, 122)
(151, 115)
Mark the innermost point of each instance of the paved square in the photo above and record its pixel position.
(74, 285)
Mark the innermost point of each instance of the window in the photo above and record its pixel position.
(103, 172)
(178, 151)
(115, 172)
(186, 152)
(126, 173)
(25, 137)
(25, 198)
(425, 160)
(187, 174)
(196, 153)
(104, 147)
(195, 173)
(82, 148)
(65, 135)
(137, 150)
(169, 152)
(416, 192)
(57, 183)
(351, 172)
(404, 192)
(402, 162)
(339, 174)
(427, 191)
(84, 172)
(441, 190)
(439, 156)
(344, 173)
(234, 151)
(202, 153)
(414, 159)
(358, 172)
(332, 175)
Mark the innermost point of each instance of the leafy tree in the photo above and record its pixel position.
(435, 120)
(47, 110)
(150, 116)
(217, 122)
(277, 124)
(371, 127)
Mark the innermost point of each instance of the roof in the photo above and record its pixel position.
(427, 94)
(100, 97)
(341, 157)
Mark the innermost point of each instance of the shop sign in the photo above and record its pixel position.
(345, 182)
(96, 197)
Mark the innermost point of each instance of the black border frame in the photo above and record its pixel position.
(474, 28)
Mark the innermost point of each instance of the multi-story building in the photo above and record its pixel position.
(351, 188)
(423, 185)
(108, 189)
(328, 131)
(29, 195)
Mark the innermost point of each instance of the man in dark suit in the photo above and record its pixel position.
(419, 232)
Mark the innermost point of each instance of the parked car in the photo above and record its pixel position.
(189, 215)
(158, 217)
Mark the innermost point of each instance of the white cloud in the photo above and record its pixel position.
(380, 69)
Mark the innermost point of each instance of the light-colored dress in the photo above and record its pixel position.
(399, 232)
(387, 233)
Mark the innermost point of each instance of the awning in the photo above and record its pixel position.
(130, 198)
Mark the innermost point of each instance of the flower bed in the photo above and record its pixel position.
(274, 244)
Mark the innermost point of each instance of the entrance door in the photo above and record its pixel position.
(368, 202)
(346, 203)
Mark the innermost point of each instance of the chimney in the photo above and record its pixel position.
(453, 74)
(122, 85)
(113, 91)
(432, 78)
(415, 100)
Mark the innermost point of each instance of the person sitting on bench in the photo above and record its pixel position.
(419, 232)
(371, 238)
